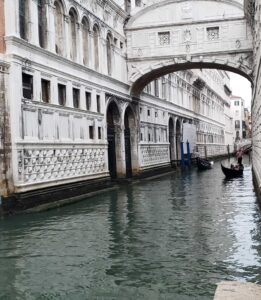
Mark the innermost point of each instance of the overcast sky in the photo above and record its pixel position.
(240, 86)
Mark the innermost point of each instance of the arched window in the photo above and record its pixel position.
(109, 53)
(85, 41)
(42, 23)
(169, 87)
(163, 85)
(96, 46)
(59, 28)
(156, 87)
(23, 19)
(73, 33)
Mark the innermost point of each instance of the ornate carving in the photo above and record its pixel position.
(187, 35)
(40, 165)
(151, 155)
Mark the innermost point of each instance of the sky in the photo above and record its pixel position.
(240, 86)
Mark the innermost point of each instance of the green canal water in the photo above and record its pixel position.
(173, 237)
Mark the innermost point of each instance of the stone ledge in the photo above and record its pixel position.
(234, 290)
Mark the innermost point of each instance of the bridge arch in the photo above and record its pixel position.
(174, 35)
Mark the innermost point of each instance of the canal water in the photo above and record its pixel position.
(173, 237)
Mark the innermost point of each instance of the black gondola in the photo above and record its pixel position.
(231, 173)
(203, 164)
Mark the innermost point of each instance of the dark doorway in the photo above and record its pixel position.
(171, 140)
(112, 120)
(127, 139)
(178, 140)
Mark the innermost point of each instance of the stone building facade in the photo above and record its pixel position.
(67, 116)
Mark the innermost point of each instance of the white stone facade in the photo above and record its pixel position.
(67, 89)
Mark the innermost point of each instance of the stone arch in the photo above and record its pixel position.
(130, 141)
(157, 5)
(85, 23)
(109, 41)
(73, 29)
(59, 27)
(113, 120)
(96, 46)
(151, 73)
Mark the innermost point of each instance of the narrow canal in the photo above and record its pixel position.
(173, 237)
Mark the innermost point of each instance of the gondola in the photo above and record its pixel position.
(231, 173)
(203, 164)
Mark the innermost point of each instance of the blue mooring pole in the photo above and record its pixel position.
(188, 153)
(182, 154)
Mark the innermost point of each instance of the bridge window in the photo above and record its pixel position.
(213, 33)
(164, 38)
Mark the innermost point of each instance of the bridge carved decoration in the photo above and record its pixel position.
(173, 35)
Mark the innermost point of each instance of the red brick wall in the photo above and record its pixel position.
(2, 26)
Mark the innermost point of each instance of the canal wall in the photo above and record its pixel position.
(256, 98)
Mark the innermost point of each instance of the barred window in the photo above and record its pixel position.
(213, 33)
(164, 38)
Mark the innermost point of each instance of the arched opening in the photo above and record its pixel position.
(59, 28)
(73, 34)
(171, 140)
(178, 139)
(85, 41)
(113, 137)
(24, 19)
(130, 140)
(42, 23)
(109, 53)
(96, 47)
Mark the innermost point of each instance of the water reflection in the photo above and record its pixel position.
(173, 237)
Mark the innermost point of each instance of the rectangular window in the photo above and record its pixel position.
(236, 103)
(27, 86)
(88, 98)
(76, 98)
(141, 136)
(149, 137)
(98, 99)
(61, 94)
(148, 112)
(45, 90)
(91, 132)
(99, 133)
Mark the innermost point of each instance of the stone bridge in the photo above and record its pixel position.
(174, 35)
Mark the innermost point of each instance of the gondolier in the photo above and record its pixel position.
(239, 156)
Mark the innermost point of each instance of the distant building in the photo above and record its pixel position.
(237, 110)
(248, 123)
